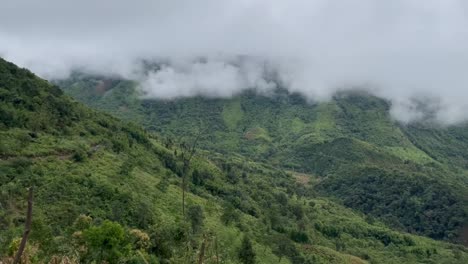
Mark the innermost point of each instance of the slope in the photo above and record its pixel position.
(413, 176)
(109, 191)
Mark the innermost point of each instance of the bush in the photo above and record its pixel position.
(106, 242)
(80, 155)
(246, 252)
(299, 236)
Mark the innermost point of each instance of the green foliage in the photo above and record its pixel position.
(196, 217)
(82, 222)
(162, 241)
(285, 248)
(201, 177)
(416, 202)
(352, 131)
(106, 242)
(246, 252)
(299, 237)
(232, 114)
(80, 154)
(230, 214)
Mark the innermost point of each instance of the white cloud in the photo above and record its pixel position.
(405, 50)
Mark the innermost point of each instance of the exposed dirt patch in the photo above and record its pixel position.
(306, 179)
(103, 86)
(62, 155)
(250, 135)
(303, 179)
(257, 133)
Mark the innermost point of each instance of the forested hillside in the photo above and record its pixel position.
(109, 191)
(412, 177)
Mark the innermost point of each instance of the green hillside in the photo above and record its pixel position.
(412, 177)
(110, 192)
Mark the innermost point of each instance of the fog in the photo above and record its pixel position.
(406, 51)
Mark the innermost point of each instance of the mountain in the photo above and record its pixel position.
(109, 191)
(412, 177)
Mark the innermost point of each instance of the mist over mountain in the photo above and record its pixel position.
(405, 51)
(234, 131)
(362, 190)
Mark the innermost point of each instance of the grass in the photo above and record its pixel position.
(410, 153)
(232, 114)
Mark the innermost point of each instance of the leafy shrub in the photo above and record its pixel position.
(106, 242)
(299, 236)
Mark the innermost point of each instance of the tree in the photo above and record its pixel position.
(232, 177)
(197, 177)
(161, 241)
(297, 210)
(196, 217)
(230, 214)
(299, 236)
(27, 228)
(187, 155)
(201, 256)
(106, 242)
(285, 248)
(246, 252)
(139, 239)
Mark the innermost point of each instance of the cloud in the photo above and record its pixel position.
(214, 78)
(407, 51)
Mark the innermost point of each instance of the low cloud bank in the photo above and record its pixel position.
(411, 52)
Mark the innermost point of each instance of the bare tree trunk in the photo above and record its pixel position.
(142, 257)
(27, 228)
(183, 195)
(202, 251)
(187, 157)
(216, 250)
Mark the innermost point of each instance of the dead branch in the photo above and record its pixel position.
(27, 228)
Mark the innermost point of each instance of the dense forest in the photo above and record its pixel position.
(411, 176)
(252, 179)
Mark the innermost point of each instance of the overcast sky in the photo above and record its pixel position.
(400, 49)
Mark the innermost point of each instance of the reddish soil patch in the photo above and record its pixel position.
(249, 135)
(102, 87)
